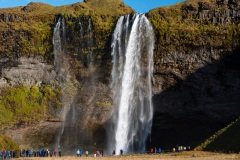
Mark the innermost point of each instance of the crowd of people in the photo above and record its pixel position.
(175, 149)
(4, 154)
(39, 153)
(95, 153)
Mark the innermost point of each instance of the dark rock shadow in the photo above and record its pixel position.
(197, 106)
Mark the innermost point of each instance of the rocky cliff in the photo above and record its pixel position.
(71, 85)
(196, 69)
(196, 77)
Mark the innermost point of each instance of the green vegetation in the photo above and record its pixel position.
(184, 25)
(104, 104)
(225, 140)
(28, 30)
(191, 28)
(26, 105)
(8, 144)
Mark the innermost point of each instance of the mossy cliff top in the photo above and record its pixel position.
(94, 7)
(195, 23)
(28, 30)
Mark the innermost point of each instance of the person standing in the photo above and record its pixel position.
(113, 153)
(4, 153)
(159, 150)
(60, 153)
(78, 153)
(86, 153)
(151, 150)
(30, 153)
(55, 153)
(51, 153)
(81, 153)
(121, 152)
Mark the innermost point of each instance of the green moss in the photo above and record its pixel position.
(177, 29)
(6, 116)
(22, 104)
(104, 104)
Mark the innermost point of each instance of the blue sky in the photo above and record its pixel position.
(139, 6)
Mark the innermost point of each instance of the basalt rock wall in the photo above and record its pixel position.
(197, 72)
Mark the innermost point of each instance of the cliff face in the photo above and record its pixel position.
(196, 69)
(75, 82)
(196, 77)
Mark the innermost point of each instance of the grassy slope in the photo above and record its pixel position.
(225, 140)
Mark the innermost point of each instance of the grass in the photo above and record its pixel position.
(196, 155)
(225, 140)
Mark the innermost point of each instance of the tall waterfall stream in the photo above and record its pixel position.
(132, 53)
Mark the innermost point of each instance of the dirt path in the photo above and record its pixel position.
(167, 156)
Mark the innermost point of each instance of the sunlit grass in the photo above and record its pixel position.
(225, 140)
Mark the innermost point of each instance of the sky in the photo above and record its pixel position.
(140, 6)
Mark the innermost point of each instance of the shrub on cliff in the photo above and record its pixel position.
(8, 144)
(22, 104)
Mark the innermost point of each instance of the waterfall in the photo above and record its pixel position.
(70, 134)
(89, 41)
(132, 52)
(63, 76)
(57, 51)
(57, 45)
(81, 29)
(90, 34)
